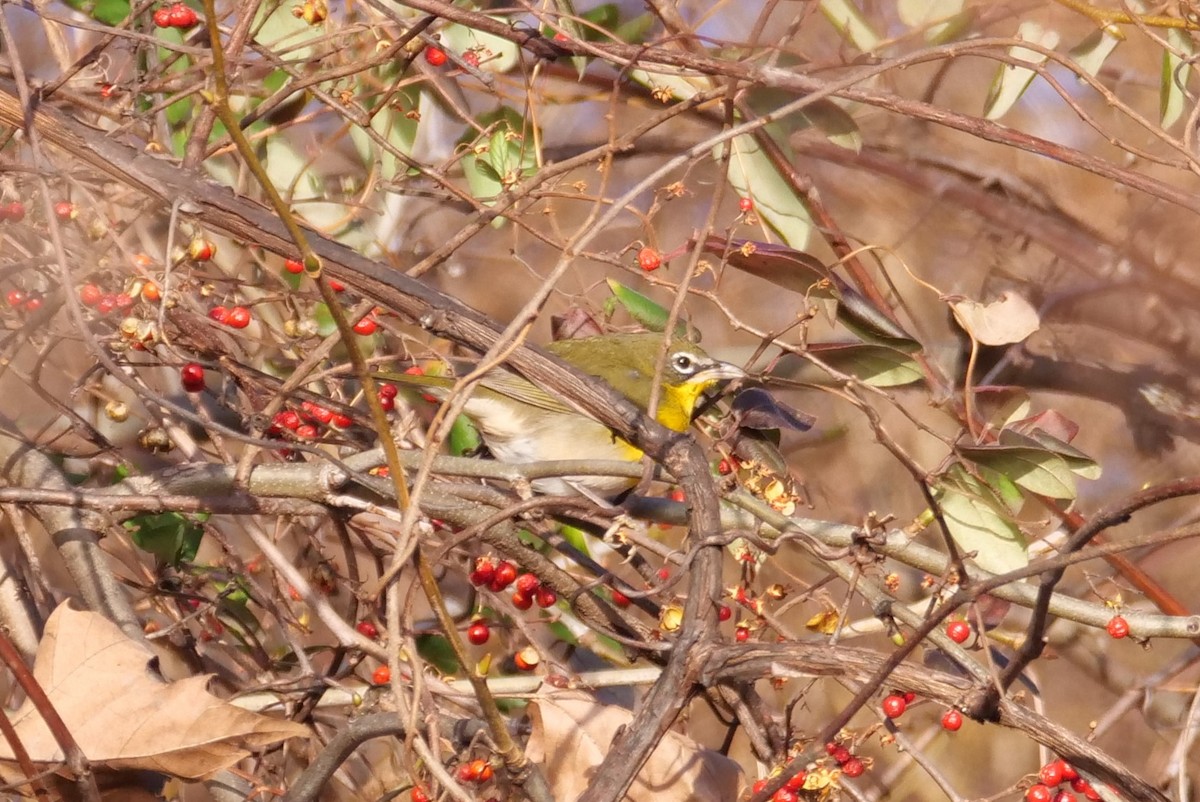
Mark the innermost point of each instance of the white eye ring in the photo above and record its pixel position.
(684, 363)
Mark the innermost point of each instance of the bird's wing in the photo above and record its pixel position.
(497, 382)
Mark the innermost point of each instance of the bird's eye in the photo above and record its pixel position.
(684, 363)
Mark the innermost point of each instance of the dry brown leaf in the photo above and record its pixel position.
(123, 715)
(1006, 320)
(572, 733)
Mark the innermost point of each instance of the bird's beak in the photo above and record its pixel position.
(719, 372)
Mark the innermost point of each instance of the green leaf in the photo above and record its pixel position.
(850, 22)
(876, 365)
(644, 310)
(805, 274)
(1035, 469)
(634, 31)
(1175, 72)
(170, 536)
(935, 16)
(501, 157)
(109, 12)
(979, 522)
(1091, 53)
(1078, 462)
(437, 651)
(324, 320)
(835, 123)
(1011, 82)
(753, 175)
(464, 437)
(561, 631)
(575, 536)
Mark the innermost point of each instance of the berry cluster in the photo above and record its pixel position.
(790, 790)
(103, 302)
(303, 424)
(176, 15)
(1054, 774)
(851, 766)
(498, 576)
(477, 771)
(237, 317)
(26, 302)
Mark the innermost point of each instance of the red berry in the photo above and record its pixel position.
(201, 250)
(958, 631)
(306, 432)
(238, 318)
(319, 413)
(15, 211)
(365, 326)
(746, 205)
(182, 16)
(741, 634)
(894, 706)
(796, 781)
(106, 304)
(952, 720)
(435, 56)
(910, 697)
(162, 17)
(367, 630)
(1069, 772)
(484, 571)
(382, 676)
(419, 795)
(758, 786)
(90, 295)
(336, 285)
(219, 314)
(506, 574)
(287, 419)
(784, 795)
(527, 659)
(1039, 793)
(545, 597)
(1052, 773)
(64, 210)
(478, 633)
(123, 300)
(724, 613)
(619, 598)
(1065, 796)
(841, 754)
(853, 767)
(191, 376)
(342, 421)
(1118, 627)
(522, 601)
(464, 773)
(388, 390)
(294, 266)
(482, 770)
(528, 583)
(664, 574)
(471, 57)
(724, 467)
(649, 259)
(15, 298)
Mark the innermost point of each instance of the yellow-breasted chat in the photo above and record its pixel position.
(521, 422)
